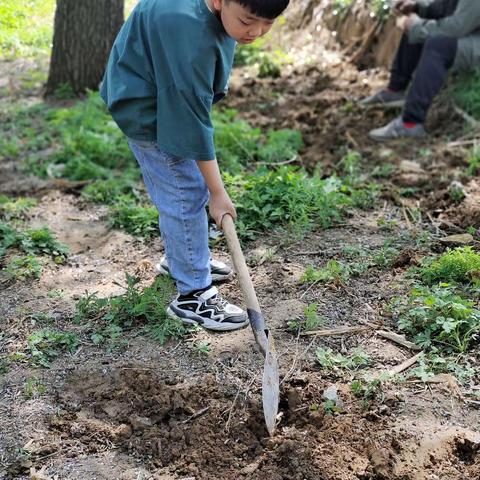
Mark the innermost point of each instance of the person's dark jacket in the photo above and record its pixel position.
(453, 18)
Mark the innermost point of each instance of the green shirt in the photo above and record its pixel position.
(170, 62)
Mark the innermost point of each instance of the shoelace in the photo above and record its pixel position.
(219, 302)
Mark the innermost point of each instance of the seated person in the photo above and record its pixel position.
(440, 36)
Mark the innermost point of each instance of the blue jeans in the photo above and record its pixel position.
(178, 190)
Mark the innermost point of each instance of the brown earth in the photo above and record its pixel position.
(142, 411)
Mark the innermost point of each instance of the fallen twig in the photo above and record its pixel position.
(276, 164)
(339, 331)
(406, 364)
(468, 118)
(400, 339)
(196, 415)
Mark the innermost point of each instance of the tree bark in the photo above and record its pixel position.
(83, 36)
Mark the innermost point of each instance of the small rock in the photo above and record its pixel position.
(123, 432)
(410, 174)
(406, 166)
(139, 424)
(460, 239)
(331, 393)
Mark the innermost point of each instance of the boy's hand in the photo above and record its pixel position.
(409, 22)
(221, 204)
(405, 7)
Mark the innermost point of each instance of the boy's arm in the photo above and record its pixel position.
(464, 20)
(220, 203)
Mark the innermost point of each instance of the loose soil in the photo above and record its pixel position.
(144, 411)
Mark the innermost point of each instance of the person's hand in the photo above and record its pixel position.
(405, 7)
(410, 21)
(221, 204)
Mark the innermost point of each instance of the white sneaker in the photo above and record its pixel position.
(209, 310)
(220, 271)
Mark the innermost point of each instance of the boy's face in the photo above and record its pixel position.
(240, 23)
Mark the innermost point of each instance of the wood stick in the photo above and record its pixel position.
(338, 331)
(467, 117)
(400, 339)
(406, 364)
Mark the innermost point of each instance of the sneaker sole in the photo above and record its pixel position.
(216, 277)
(208, 324)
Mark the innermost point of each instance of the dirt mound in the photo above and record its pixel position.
(467, 213)
(195, 428)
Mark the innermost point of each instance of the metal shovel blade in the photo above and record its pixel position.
(271, 376)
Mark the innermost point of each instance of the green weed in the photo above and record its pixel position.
(24, 267)
(432, 364)
(34, 388)
(460, 265)
(466, 93)
(32, 241)
(370, 389)
(438, 316)
(235, 140)
(41, 241)
(285, 198)
(15, 208)
(137, 219)
(311, 321)
(134, 307)
(330, 360)
(335, 272)
(474, 162)
(280, 145)
(108, 191)
(341, 7)
(17, 37)
(268, 63)
(45, 345)
(203, 348)
(381, 8)
(331, 408)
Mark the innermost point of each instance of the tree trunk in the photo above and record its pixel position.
(84, 34)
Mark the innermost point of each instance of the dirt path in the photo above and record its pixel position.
(143, 411)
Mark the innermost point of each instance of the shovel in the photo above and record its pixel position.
(263, 337)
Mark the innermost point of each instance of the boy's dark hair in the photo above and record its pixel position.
(265, 8)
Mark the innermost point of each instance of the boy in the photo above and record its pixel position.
(170, 62)
(440, 36)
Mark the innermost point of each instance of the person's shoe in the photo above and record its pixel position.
(209, 310)
(220, 271)
(397, 129)
(387, 98)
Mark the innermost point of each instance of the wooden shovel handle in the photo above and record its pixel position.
(239, 263)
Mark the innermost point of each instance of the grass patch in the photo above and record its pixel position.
(45, 345)
(268, 63)
(15, 209)
(311, 320)
(440, 316)
(17, 37)
(145, 308)
(330, 360)
(32, 242)
(466, 93)
(240, 146)
(24, 267)
(460, 265)
(287, 198)
(474, 162)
